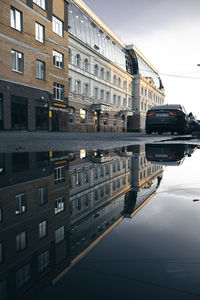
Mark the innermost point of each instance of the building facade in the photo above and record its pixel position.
(34, 56)
(100, 85)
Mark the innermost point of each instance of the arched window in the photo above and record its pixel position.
(106, 119)
(125, 85)
(119, 82)
(96, 70)
(129, 87)
(114, 99)
(114, 80)
(108, 76)
(102, 73)
(78, 86)
(86, 65)
(78, 60)
(70, 56)
(72, 115)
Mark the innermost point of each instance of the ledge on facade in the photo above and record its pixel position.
(101, 107)
(127, 113)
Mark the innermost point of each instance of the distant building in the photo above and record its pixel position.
(34, 63)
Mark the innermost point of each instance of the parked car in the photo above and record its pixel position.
(169, 117)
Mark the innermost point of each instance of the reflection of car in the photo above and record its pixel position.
(194, 123)
(168, 154)
(169, 117)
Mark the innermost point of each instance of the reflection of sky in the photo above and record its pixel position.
(154, 255)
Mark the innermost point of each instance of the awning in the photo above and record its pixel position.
(101, 107)
(127, 113)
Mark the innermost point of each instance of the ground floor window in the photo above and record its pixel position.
(115, 120)
(72, 115)
(1, 112)
(42, 115)
(106, 119)
(83, 115)
(19, 113)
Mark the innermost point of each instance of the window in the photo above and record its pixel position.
(59, 205)
(114, 99)
(96, 93)
(96, 70)
(102, 94)
(86, 89)
(70, 84)
(102, 73)
(83, 115)
(59, 174)
(58, 59)
(42, 195)
(72, 115)
(125, 85)
(58, 90)
(42, 229)
(59, 234)
(16, 19)
(129, 102)
(78, 60)
(106, 119)
(58, 26)
(129, 87)
(70, 55)
(40, 3)
(107, 96)
(124, 102)
(1, 253)
(21, 241)
(39, 32)
(23, 276)
(119, 100)
(108, 76)
(114, 80)
(1, 214)
(86, 65)
(21, 205)
(17, 61)
(3, 290)
(40, 69)
(78, 87)
(115, 120)
(43, 261)
(119, 82)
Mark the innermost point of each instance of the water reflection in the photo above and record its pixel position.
(168, 154)
(55, 206)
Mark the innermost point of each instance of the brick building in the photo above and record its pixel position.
(33, 73)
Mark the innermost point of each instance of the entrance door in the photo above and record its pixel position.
(55, 120)
(123, 123)
(19, 113)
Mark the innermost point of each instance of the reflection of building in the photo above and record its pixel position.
(56, 206)
(34, 64)
(34, 210)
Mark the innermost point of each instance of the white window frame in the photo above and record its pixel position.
(40, 69)
(60, 234)
(20, 206)
(59, 205)
(39, 32)
(16, 19)
(40, 3)
(58, 59)
(15, 58)
(78, 87)
(58, 91)
(57, 26)
(59, 177)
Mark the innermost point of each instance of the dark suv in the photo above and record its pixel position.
(169, 117)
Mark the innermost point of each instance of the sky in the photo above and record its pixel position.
(167, 32)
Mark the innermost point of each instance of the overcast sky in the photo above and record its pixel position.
(167, 32)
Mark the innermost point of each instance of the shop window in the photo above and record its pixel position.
(39, 32)
(16, 18)
(41, 115)
(58, 59)
(106, 119)
(86, 65)
(83, 115)
(19, 113)
(17, 61)
(58, 91)
(41, 3)
(72, 115)
(58, 26)
(40, 69)
(115, 120)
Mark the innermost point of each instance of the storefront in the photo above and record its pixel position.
(19, 113)
(41, 115)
